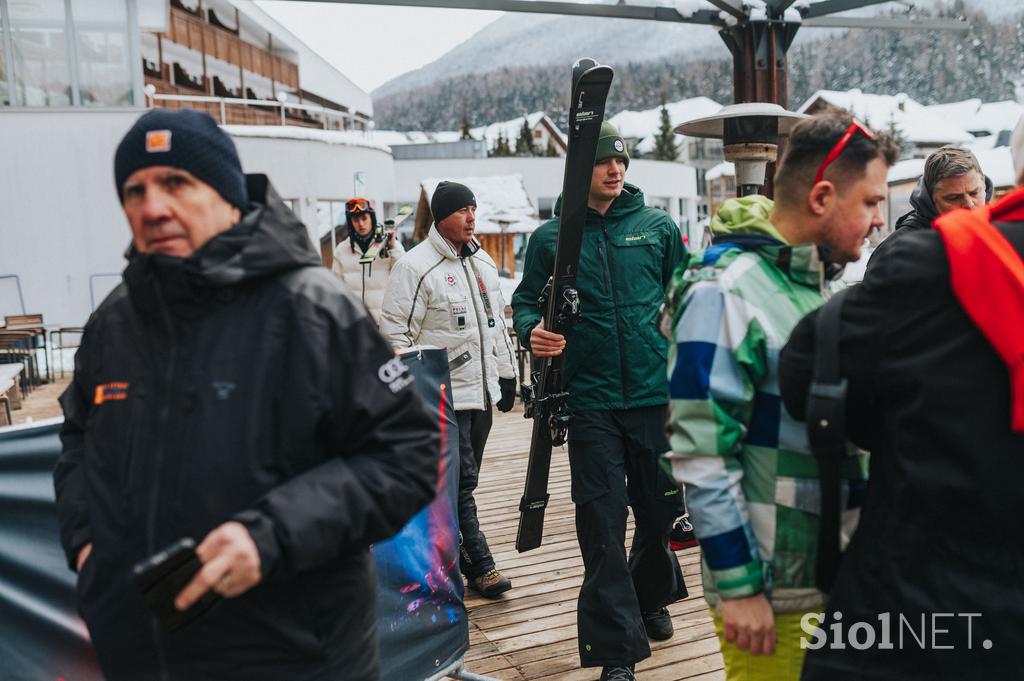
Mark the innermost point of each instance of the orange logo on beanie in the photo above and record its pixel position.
(158, 140)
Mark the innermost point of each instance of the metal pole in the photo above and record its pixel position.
(282, 113)
(8, 34)
(134, 52)
(223, 112)
(72, 46)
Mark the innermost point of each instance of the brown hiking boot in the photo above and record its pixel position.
(491, 584)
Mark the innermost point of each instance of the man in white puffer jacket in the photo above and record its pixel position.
(367, 280)
(445, 292)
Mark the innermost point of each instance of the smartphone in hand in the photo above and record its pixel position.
(162, 576)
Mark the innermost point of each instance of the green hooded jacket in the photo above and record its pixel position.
(616, 358)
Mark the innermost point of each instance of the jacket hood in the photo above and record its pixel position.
(744, 223)
(921, 201)
(924, 206)
(629, 201)
(268, 240)
(746, 215)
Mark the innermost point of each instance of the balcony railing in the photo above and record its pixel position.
(282, 113)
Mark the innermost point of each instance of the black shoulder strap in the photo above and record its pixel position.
(826, 432)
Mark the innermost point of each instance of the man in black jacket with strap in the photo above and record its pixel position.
(231, 391)
(931, 346)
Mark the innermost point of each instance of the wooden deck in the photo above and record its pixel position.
(530, 632)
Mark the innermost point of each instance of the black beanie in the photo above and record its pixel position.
(185, 139)
(448, 198)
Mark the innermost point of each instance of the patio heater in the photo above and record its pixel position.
(750, 134)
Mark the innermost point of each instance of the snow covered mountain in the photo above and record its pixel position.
(518, 39)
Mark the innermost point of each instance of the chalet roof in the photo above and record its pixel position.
(980, 118)
(644, 125)
(915, 122)
(510, 128)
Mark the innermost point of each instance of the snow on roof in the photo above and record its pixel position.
(510, 129)
(395, 138)
(996, 163)
(723, 169)
(644, 125)
(977, 117)
(498, 198)
(905, 171)
(348, 138)
(915, 122)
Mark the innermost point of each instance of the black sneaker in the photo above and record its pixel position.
(658, 624)
(682, 536)
(618, 674)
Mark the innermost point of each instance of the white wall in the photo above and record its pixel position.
(311, 171)
(60, 219)
(543, 179)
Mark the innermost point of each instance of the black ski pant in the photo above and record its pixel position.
(613, 457)
(474, 426)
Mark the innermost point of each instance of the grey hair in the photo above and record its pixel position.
(949, 161)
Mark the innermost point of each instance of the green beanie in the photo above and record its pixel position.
(610, 144)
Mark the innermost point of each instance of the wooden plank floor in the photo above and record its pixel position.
(530, 632)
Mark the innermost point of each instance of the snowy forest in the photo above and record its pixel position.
(931, 67)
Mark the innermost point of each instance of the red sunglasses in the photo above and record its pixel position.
(854, 128)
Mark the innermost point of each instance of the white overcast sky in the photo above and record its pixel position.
(373, 44)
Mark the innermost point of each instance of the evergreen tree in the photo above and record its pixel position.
(551, 150)
(464, 127)
(665, 147)
(501, 146)
(524, 143)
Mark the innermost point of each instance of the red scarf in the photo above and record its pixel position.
(987, 276)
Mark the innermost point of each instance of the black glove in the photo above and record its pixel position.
(508, 394)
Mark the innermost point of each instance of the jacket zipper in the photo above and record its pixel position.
(618, 316)
(165, 410)
(604, 267)
(480, 328)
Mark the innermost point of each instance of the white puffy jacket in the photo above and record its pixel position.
(434, 298)
(367, 281)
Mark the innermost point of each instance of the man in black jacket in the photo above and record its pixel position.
(231, 391)
(931, 346)
(952, 179)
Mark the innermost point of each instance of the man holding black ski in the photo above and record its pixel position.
(615, 373)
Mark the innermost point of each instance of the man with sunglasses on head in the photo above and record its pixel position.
(367, 280)
(751, 480)
(931, 347)
(446, 292)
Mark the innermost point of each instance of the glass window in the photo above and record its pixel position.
(101, 30)
(41, 70)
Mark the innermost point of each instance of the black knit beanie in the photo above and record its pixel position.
(448, 198)
(185, 139)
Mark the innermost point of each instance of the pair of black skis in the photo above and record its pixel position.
(545, 400)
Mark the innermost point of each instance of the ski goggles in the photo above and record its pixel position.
(855, 127)
(353, 206)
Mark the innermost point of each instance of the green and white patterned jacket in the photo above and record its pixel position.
(751, 481)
